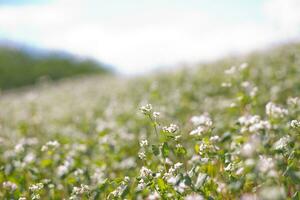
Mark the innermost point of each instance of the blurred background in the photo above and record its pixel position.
(53, 39)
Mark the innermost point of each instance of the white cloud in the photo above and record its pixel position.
(136, 41)
(284, 15)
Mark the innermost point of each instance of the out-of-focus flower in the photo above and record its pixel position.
(295, 124)
(147, 109)
(143, 143)
(275, 111)
(172, 128)
(9, 186)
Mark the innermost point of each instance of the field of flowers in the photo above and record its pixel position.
(225, 130)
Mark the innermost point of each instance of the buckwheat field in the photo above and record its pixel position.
(225, 130)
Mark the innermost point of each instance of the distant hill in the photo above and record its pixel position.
(24, 66)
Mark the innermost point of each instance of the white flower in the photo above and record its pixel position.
(141, 185)
(142, 155)
(226, 85)
(261, 125)
(98, 176)
(19, 148)
(249, 197)
(248, 120)
(156, 114)
(177, 165)
(265, 164)
(243, 66)
(275, 111)
(147, 109)
(145, 172)
(126, 179)
(282, 142)
(172, 128)
(272, 193)
(78, 172)
(294, 101)
(64, 169)
(143, 143)
(181, 187)
(36, 187)
(154, 196)
(253, 123)
(240, 171)
(194, 197)
(80, 190)
(199, 130)
(295, 124)
(50, 145)
(29, 158)
(168, 161)
(9, 186)
(202, 120)
(231, 70)
(248, 149)
(229, 167)
(214, 138)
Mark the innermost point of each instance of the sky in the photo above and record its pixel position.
(136, 36)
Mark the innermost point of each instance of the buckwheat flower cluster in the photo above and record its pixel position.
(172, 128)
(78, 172)
(156, 115)
(36, 187)
(147, 109)
(194, 197)
(265, 164)
(232, 70)
(10, 186)
(65, 167)
(203, 122)
(98, 176)
(142, 153)
(51, 145)
(143, 143)
(295, 124)
(77, 192)
(19, 148)
(154, 196)
(248, 149)
(145, 176)
(275, 111)
(121, 188)
(251, 89)
(226, 84)
(293, 101)
(145, 172)
(282, 143)
(253, 123)
(169, 176)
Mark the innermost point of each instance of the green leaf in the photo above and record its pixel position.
(187, 180)
(296, 196)
(180, 151)
(165, 150)
(155, 150)
(161, 184)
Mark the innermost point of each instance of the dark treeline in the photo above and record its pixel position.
(20, 68)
